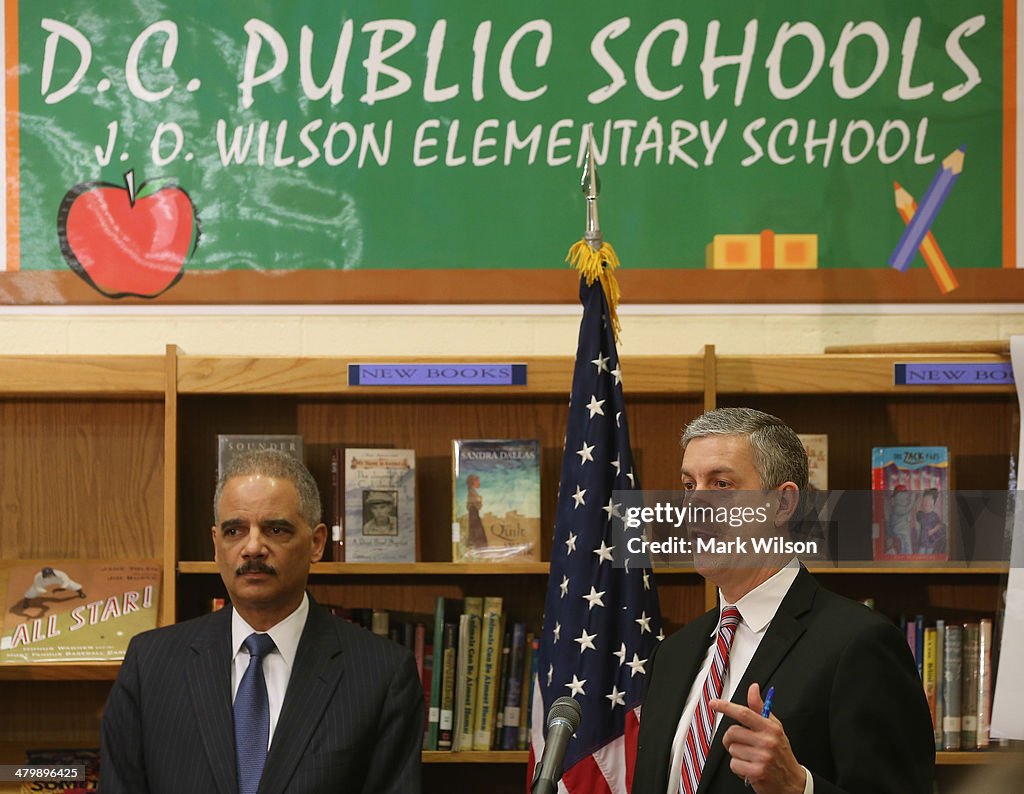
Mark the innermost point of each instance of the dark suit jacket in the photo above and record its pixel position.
(351, 721)
(846, 691)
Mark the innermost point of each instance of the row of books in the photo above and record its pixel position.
(495, 498)
(954, 661)
(476, 670)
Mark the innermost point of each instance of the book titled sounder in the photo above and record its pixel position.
(496, 500)
(75, 611)
(380, 505)
(230, 446)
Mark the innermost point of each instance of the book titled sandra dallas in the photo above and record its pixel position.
(496, 500)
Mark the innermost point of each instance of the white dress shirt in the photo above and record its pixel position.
(757, 608)
(277, 665)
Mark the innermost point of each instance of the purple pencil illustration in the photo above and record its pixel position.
(927, 210)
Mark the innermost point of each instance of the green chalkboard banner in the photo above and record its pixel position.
(332, 151)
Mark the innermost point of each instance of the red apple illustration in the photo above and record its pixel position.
(127, 242)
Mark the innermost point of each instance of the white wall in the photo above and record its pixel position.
(475, 331)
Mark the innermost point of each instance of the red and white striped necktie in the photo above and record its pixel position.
(698, 737)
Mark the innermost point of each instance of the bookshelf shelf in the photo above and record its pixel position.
(60, 671)
(975, 757)
(399, 569)
(904, 569)
(493, 757)
(421, 569)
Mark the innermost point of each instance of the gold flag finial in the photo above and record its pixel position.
(592, 256)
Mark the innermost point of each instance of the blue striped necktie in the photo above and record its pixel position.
(252, 716)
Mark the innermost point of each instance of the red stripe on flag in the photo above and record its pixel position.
(585, 777)
(529, 770)
(632, 736)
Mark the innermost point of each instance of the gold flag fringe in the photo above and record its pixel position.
(599, 264)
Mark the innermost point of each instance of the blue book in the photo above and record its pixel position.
(514, 689)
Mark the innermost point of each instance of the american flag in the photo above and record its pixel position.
(600, 622)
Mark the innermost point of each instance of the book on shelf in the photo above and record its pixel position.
(910, 516)
(514, 688)
(940, 678)
(230, 445)
(952, 675)
(89, 758)
(490, 662)
(969, 687)
(928, 669)
(467, 672)
(446, 717)
(446, 610)
(380, 505)
(984, 696)
(64, 610)
(816, 445)
(335, 551)
(526, 691)
(496, 500)
(499, 711)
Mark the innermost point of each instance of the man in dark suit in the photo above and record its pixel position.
(848, 713)
(197, 705)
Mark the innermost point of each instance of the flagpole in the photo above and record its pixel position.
(602, 619)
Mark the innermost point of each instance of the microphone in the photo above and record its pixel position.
(563, 720)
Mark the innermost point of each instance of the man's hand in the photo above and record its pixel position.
(759, 748)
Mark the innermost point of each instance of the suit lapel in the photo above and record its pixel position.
(208, 674)
(782, 634)
(318, 668)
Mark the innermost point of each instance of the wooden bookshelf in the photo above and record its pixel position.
(113, 457)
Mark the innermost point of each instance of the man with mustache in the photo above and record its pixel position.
(273, 692)
(848, 715)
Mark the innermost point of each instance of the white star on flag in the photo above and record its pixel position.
(571, 543)
(585, 453)
(644, 621)
(637, 665)
(557, 630)
(616, 697)
(604, 552)
(621, 653)
(586, 641)
(578, 496)
(601, 362)
(576, 686)
(617, 374)
(612, 509)
(594, 598)
(595, 406)
(564, 586)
